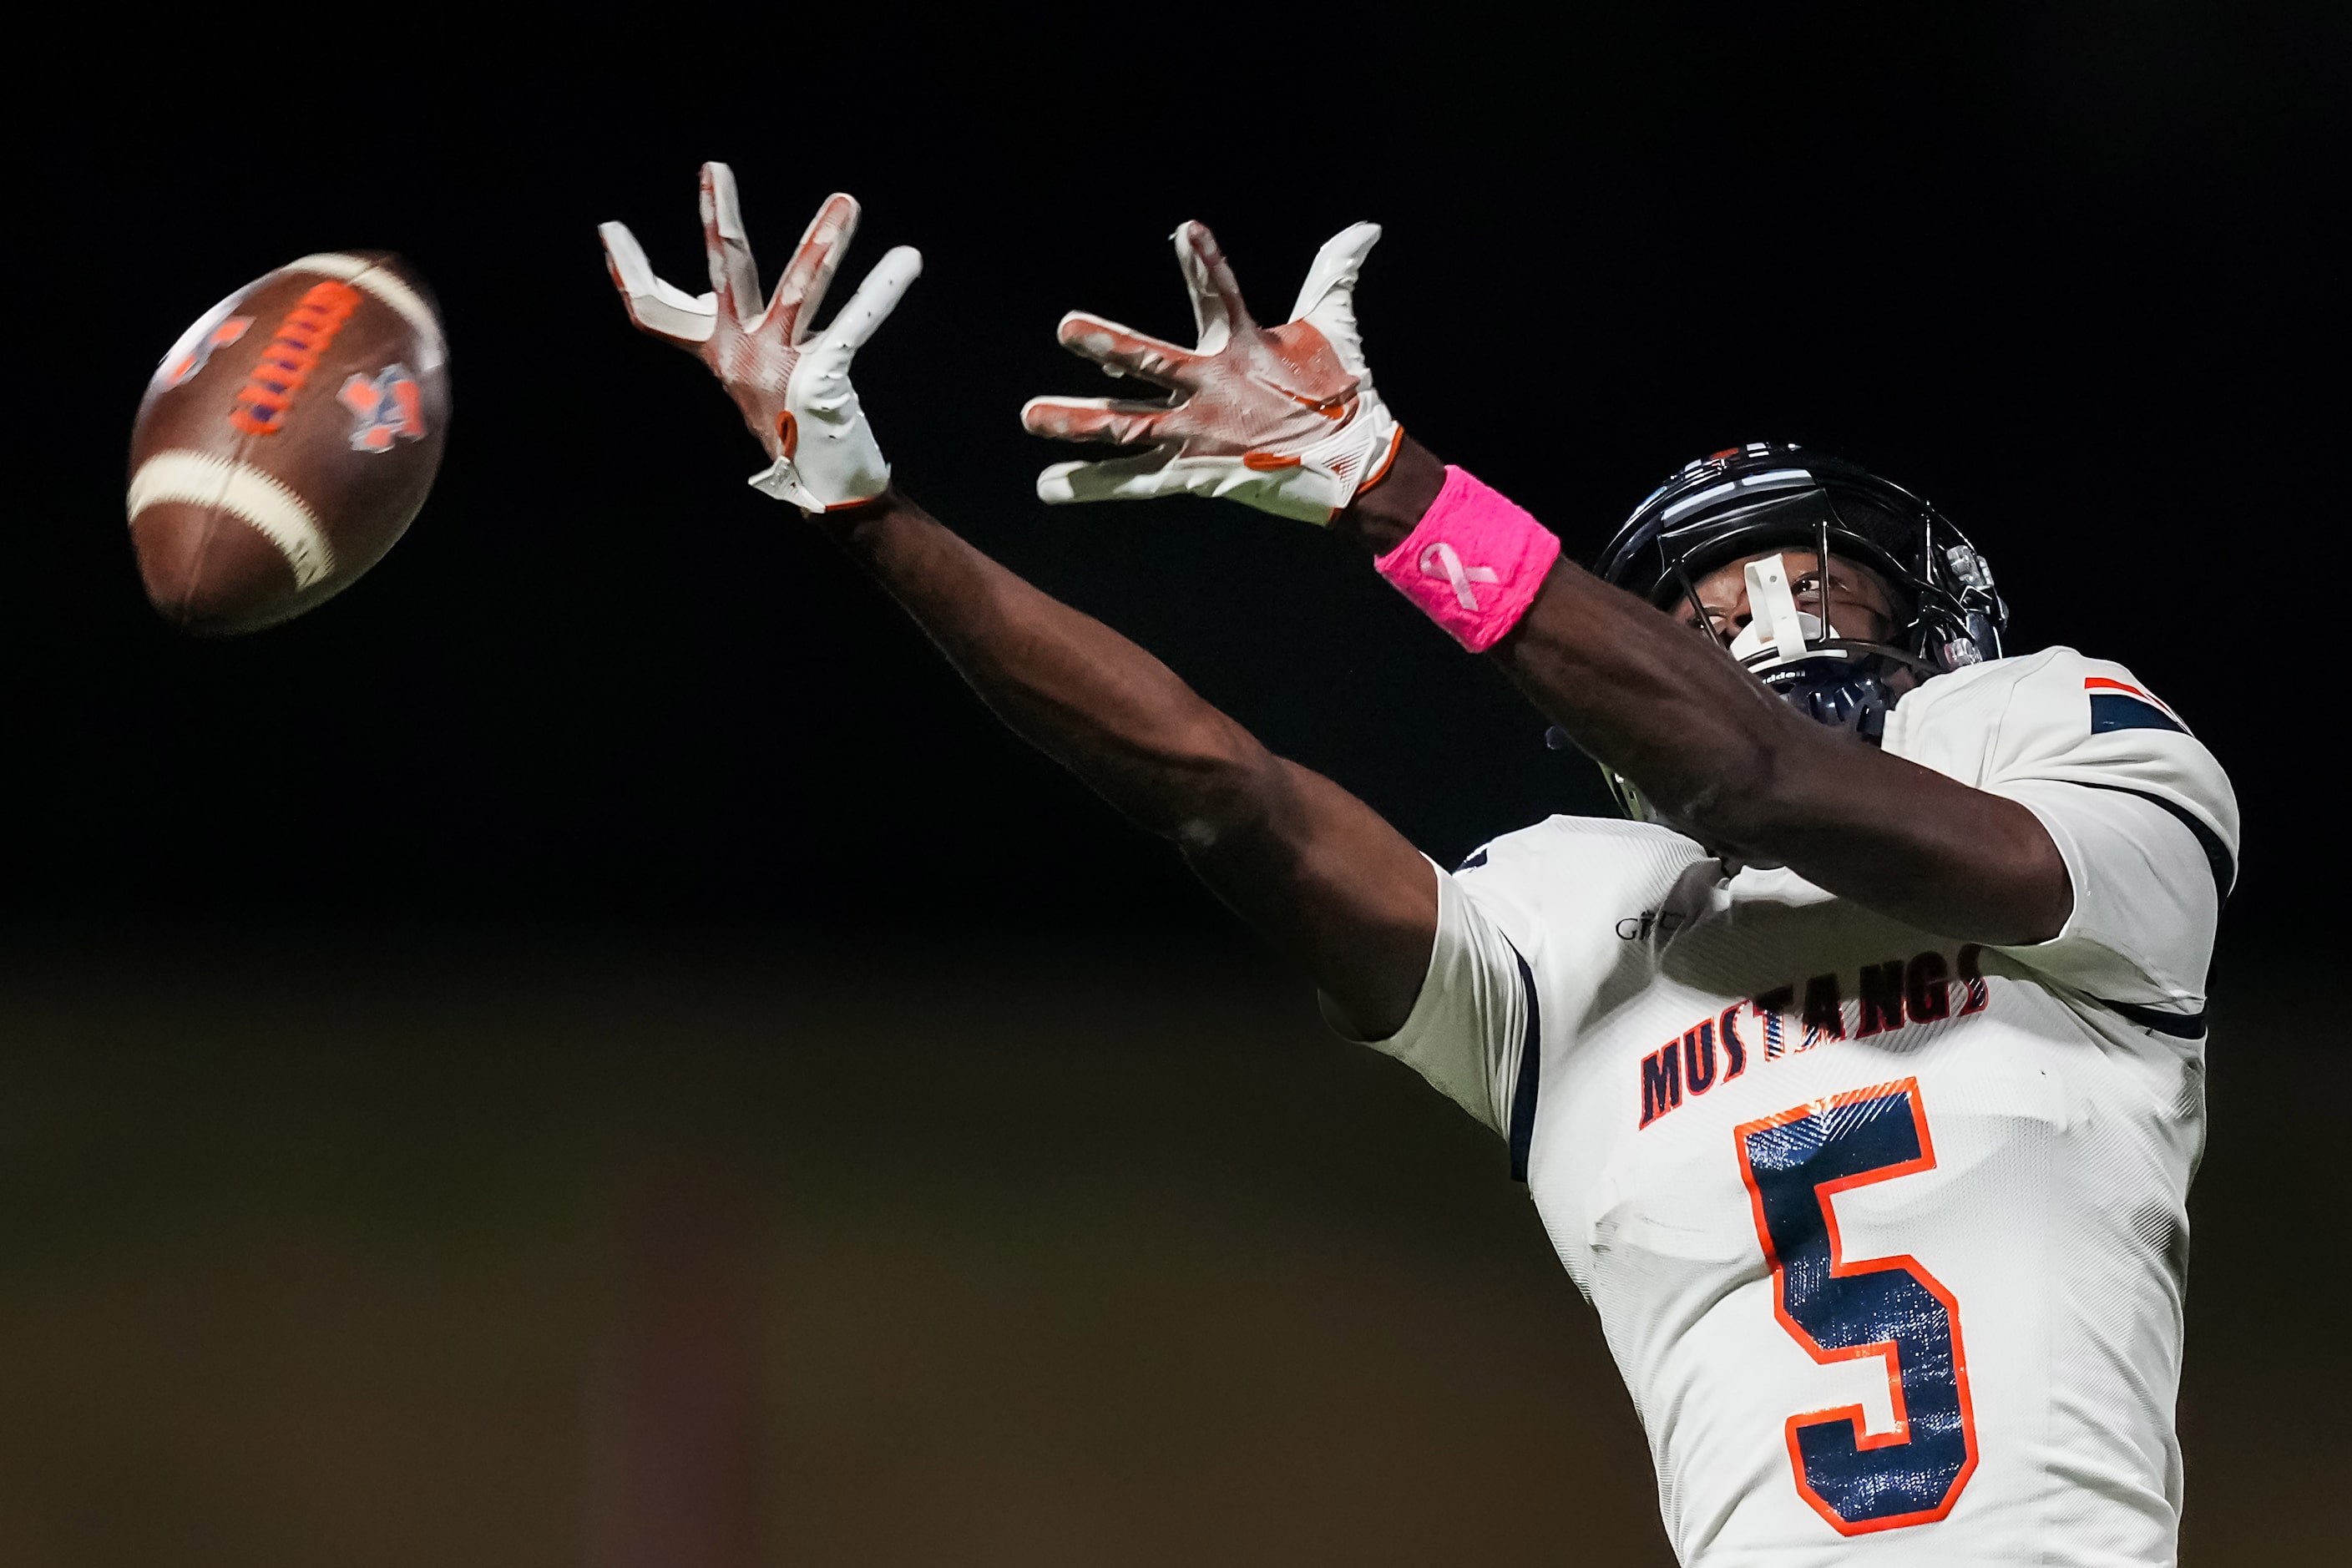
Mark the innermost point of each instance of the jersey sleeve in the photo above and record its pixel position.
(1473, 1025)
(2139, 810)
(1526, 939)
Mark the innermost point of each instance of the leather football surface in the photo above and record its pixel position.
(287, 441)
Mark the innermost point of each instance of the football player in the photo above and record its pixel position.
(1857, 1078)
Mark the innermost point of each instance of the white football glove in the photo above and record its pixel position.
(794, 393)
(1281, 418)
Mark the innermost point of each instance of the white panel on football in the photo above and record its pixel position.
(361, 273)
(199, 479)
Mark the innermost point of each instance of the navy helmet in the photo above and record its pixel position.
(1745, 501)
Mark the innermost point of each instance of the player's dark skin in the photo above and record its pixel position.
(1744, 773)
(1340, 892)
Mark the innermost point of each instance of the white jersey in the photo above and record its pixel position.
(1887, 1232)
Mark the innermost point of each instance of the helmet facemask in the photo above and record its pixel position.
(1846, 682)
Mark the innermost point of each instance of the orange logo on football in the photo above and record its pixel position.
(389, 404)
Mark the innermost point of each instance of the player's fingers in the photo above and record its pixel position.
(734, 279)
(1118, 479)
(1217, 305)
(658, 308)
(1328, 297)
(875, 300)
(1119, 422)
(800, 291)
(1126, 351)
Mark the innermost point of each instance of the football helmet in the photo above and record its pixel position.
(1745, 501)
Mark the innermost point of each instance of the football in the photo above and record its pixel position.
(287, 440)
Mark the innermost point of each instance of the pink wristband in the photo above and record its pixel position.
(1474, 563)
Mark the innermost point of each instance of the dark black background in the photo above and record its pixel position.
(2071, 274)
(314, 1239)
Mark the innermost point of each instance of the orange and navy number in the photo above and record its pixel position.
(1842, 1309)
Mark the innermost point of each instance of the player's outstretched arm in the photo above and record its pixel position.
(1286, 419)
(1722, 756)
(1313, 869)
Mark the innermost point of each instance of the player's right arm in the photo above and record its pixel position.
(1308, 865)
(1313, 869)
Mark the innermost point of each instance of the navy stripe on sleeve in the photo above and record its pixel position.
(2115, 710)
(2217, 854)
(2179, 1025)
(1523, 1098)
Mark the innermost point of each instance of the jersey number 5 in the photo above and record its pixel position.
(1845, 1309)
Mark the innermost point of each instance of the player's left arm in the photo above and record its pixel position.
(1286, 419)
(1724, 759)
